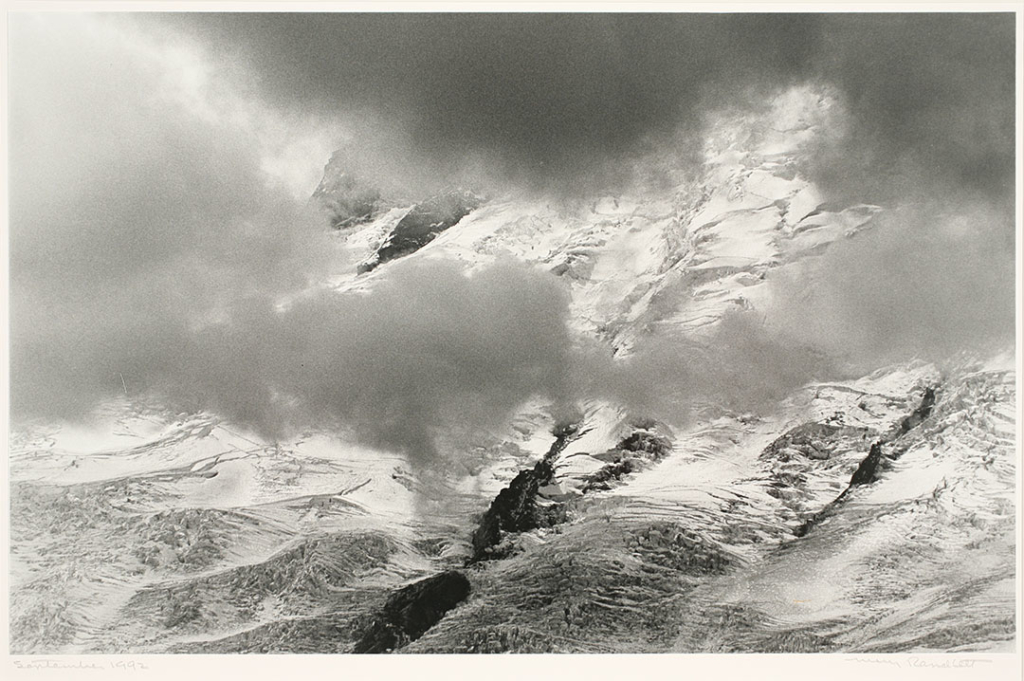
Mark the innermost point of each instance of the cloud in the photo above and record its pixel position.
(427, 347)
(924, 281)
(740, 366)
(133, 217)
(567, 103)
(554, 101)
(159, 232)
(150, 244)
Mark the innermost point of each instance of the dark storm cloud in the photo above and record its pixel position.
(930, 99)
(567, 101)
(553, 100)
(150, 257)
(147, 245)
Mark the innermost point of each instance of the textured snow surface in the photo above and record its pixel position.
(152, 532)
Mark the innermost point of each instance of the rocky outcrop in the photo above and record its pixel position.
(409, 612)
(812, 440)
(517, 508)
(870, 466)
(919, 415)
(525, 504)
(423, 223)
(867, 471)
(642, 446)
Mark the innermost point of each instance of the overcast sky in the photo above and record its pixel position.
(160, 167)
(545, 98)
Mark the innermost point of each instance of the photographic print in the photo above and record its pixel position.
(512, 332)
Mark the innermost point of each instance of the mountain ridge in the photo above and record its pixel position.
(668, 537)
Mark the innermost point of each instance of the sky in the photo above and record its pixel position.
(161, 164)
(543, 98)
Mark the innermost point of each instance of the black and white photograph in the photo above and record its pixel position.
(581, 332)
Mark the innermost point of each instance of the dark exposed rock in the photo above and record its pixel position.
(812, 440)
(630, 455)
(517, 508)
(520, 508)
(614, 471)
(644, 442)
(919, 415)
(409, 612)
(423, 223)
(867, 471)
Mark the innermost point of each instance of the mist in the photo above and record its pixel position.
(133, 218)
(930, 102)
(922, 282)
(567, 103)
(560, 103)
(162, 245)
(153, 255)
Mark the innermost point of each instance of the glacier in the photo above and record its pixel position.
(733, 530)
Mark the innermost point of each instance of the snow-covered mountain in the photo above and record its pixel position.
(870, 514)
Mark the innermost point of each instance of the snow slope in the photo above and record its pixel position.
(153, 532)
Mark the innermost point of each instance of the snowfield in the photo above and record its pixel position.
(729, 531)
